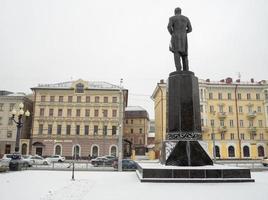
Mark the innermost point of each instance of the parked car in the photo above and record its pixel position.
(102, 161)
(27, 158)
(17, 162)
(127, 164)
(265, 161)
(56, 158)
(7, 157)
(39, 160)
(3, 165)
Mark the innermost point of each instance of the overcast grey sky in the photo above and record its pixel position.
(50, 41)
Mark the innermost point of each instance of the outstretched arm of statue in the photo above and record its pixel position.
(170, 27)
(189, 27)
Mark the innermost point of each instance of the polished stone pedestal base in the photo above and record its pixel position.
(155, 172)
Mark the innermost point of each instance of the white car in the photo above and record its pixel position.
(56, 158)
(28, 159)
(39, 160)
(265, 161)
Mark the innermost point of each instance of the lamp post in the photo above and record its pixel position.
(214, 146)
(19, 123)
(120, 139)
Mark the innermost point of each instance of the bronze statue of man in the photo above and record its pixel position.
(178, 28)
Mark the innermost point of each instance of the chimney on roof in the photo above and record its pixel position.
(238, 81)
(222, 80)
(252, 80)
(162, 81)
(229, 80)
(208, 80)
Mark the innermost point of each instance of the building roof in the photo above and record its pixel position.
(136, 112)
(89, 85)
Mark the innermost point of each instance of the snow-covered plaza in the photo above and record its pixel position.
(57, 185)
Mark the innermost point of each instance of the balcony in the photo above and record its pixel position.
(251, 114)
(222, 129)
(252, 129)
(222, 115)
(204, 129)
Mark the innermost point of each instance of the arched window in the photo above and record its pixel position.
(113, 151)
(24, 149)
(95, 151)
(246, 151)
(260, 151)
(217, 149)
(57, 150)
(76, 152)
(79, 88)
(231, 151)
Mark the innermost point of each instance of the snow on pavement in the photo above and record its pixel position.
(57, 185)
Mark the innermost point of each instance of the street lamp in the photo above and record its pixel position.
(214, 146)
(19, 123)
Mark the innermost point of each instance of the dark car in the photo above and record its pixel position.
(101, 161)
(17, 162)
(127, 165)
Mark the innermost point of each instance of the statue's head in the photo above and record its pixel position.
(177, 11)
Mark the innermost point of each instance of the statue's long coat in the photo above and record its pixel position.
(178, 27)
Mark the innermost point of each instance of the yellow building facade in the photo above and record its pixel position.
(233, 117)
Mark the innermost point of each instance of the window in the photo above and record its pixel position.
(131, 121)
(78, 112)
(212, 123)
(58, 129)
(96, 128)
(221, 108)
(248, 96)
(261, 136)
(220, 96)
(250, 123)
(140, 141)
(70, 99)
(260, 151)
(79, 88)
(131, 130)
(87, 113)
(97, 99)
(105, 99)
(259, 109)
(258, 96)
(222, 122)
(260, 123)
(114, 113)
(7, 148)
(232, 136)
(239, 96)
(250, 109)
(1, 106)
(57, 150)
(105, 130)
(69, 112)
(114, 130)
(87, 99)
(50, 112)
(201, 108)
(211, 109)
(10, 121)
(202, 122)
(78, 99)
(43, 98)
(42, 112)
(113, 151)
(114, 99)
(52, 98)
(231, 123)
(9, 134)
(252, 136)
(242, 136)
(49, 129)
(140, 130)
(105, 113)
(40, 129)
(217, 148)
(60, 98)
(231, 151)
(210, 95)
(86, 130)
(222, 136)
(240, 109)
(68, 129)
(246, 151)
(230, 109)
(95, 151)
(77, 130)
(96, 113)
(126, 121)
(241, 123)
(60, 112)
(0, 120)
(229, 96)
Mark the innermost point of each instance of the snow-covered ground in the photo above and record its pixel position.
(57, 185)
